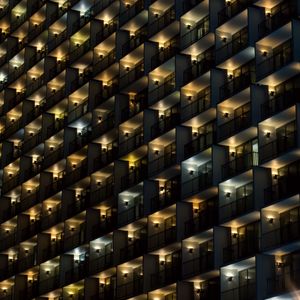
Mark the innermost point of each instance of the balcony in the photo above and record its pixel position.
(131, 143)
(107, 223)
(232, 9)
(130, 12)
(164, 161)
(236, 85)
(279, 16)
(32, 141)
(202, 181)
(162, 238)
(11, 182)
(106, 292)
(243, 292)
(52, 218)
(170, 193)
(288, 232)
(132, 213)
(241, 248)
(201, 264)
(170, 274)
(104, 191)
(134, 176)
(130, 289)
(280, 101)
(197, 106)
(104, 62)
(8, 239)
(139, 37)
(48, 284)
(101, 262)
(238, 43)
(74, 238)
(199, 144)
(242, 163)
(163, 90)
(132, 75)
(105, 157)
(164, 53)
(207, 217)
(166, 123)
(162, 21)
(196, 33)
(136, 105)
(53, 156)
(240, 122)
(284, 283)
(76, 174)
(203, 64)
(283, 55)
(286, 187)
(277, 147)
(236, 208)
(103, 126)
(137, 248)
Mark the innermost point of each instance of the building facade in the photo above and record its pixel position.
(150, 149)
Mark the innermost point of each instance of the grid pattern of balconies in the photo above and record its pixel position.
(149, 149)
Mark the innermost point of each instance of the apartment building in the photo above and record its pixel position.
(150, 149)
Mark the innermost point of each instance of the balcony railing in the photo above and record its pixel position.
(277, 147)
(286, 187)
(133, 42)
(165, 124)
(134, 177)
(238, 43)
(168, 275)
(130, 289)
(131, 12)
(242, 248)
(170, 195)
(197, 184)
(206, 219)
(198, 68)
(202, 142)
(139, 104)
(100, 263)
(132, 75)
(276, 61)
(283, 283)
(201, 264)
(236, 85)
(236, 208)
(232, 9)
(161, 163)
(244, 292)
(104, 62)
(196, 33)
(234, 126)
(163, 90)
(240, 164)
(163, 55)
(286, 10)
(136, 249)
(103, 192)
(286, 233)
(280, 102)
(130, 214)
(162, 21)
(200, 104)
(131, 143)
(162, 238)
